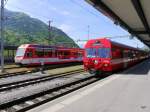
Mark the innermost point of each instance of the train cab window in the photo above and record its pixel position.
(104, 52)
(91, 52)
(20, 52)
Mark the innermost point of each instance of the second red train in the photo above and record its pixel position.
(32, 54)
(104, 55)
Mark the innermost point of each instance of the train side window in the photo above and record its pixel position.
(74, 53)
(60, 53)
(40, 53)
(134, 54)
(56, 53)
(131, 54)
(53, 53)
(121, 53)
(46, 53)
(66, 53)
(117, 53)
(114, 53)
(29, 54)
(126, 54)
(80, 54)
(50, 54)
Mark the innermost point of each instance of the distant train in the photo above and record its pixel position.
(104, 55)
(31, 54)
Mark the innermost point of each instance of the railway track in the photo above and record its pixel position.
(23, 83)
(34, 69)
(11, 66)
(69, 82)
(17, 73)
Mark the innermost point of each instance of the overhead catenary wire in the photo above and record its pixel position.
(84, 8)
(112, 37)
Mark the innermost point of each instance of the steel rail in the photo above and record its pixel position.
(47, 67)
(46, 96)
(18, 84)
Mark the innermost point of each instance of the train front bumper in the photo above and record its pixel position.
(96, 65)
(18, 60)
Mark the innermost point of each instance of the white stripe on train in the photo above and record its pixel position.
(45, 60)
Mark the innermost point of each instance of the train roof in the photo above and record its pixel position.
(35, 45)
(124, 46)
(45, 46)
(114, 43)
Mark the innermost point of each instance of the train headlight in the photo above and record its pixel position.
(86, 63)
(106, 64)
(95, 62)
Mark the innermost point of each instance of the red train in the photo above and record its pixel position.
(104, 55)
(31, 54)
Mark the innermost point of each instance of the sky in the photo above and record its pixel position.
(73, 17)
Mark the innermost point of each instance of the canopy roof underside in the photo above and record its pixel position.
(132, 15)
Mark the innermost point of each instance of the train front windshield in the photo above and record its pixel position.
(104, 52)
(100, 52)
(91, 52)
(20, 52)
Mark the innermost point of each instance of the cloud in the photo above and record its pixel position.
(65, 13)
(54, 8)
(65, 28)
(62, 12)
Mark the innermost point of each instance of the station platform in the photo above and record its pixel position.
(128, 91)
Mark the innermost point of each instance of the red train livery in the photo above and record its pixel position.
(104, 55)
(31, 54)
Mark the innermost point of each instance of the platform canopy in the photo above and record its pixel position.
(132, 15)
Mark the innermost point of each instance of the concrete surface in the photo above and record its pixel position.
(125, 92)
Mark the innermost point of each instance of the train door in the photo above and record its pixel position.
(117, 58)
(125, 58)
(60, 54)
(40, 55)
(67, 54)
(47, 55)
(54, 55)
(29, 55)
